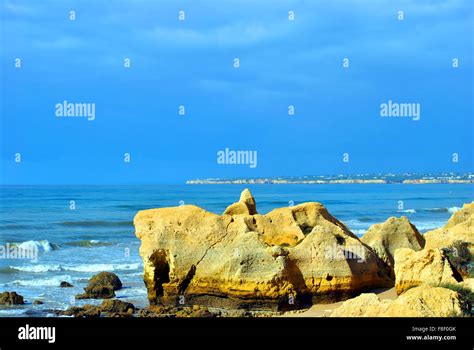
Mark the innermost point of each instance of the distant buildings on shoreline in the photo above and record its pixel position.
(405, 178)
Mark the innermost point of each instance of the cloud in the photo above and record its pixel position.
(63, 42)
(238, 34)
(18, 9)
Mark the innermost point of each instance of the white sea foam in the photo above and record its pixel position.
(77, 268)
(101, 267)
(37, 268)
(409, 211)
(12, 312)
(40, 245)
(132, 292)
(359, 232)
(453, 209)
(428, 225)
(41, 282)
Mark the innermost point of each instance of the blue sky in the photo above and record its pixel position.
(190, 63)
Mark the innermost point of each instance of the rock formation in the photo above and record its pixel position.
(101, 286)
(117, 306)
(285, 258)
(428, 266)
(422, 301)
(391, 235)
(11, 298)
(460, 227)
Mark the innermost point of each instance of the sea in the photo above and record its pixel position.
(82, 230)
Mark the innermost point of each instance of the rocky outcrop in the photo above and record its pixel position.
(245, 205)
(65, 284)
(86, 311)
(117, 306)
(395, 233)
(109, 308)
(460, 227)
(285, 258)
(11, 298)
(422, 301)
(101, 286)
(428, 266)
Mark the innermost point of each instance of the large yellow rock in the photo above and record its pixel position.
(289, 255)
(428, 266)
(460, 227)
(333, 264)
(422, 301)
(395, 233)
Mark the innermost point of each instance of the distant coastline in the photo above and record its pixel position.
(407, 178)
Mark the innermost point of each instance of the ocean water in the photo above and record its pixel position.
(98, 235)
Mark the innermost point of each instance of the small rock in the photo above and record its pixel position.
(37, 302)
(65, 284)
(11, 298)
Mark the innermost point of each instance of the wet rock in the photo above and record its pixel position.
(11, 298)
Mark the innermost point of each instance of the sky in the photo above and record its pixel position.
(336, 128)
